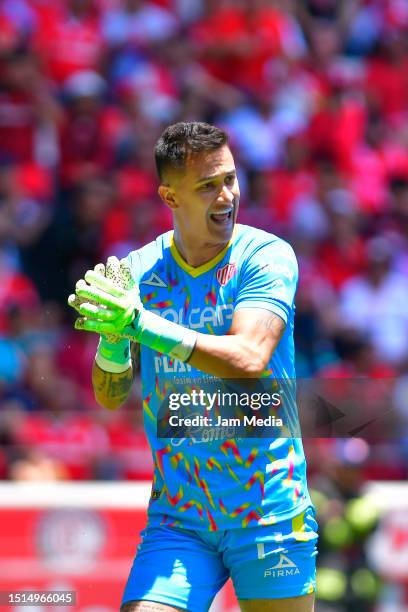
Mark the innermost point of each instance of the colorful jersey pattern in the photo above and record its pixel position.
(223, 483)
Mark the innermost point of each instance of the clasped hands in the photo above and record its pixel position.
(109, 304)
(107, 299)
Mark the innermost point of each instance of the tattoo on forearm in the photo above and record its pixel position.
(119, 386)
(112, 385)
(100, 379)
(272, 322)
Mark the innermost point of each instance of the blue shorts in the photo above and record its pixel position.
(185, 569)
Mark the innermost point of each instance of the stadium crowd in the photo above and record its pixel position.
(315, 98)
(314, 95)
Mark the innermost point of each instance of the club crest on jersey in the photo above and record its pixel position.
(225, 273)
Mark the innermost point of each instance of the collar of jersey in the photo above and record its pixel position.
(194, 272)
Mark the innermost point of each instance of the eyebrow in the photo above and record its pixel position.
(215, 176)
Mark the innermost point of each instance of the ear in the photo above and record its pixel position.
(168, 196)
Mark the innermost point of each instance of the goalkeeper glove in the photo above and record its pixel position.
(113, 353)
(113, 309)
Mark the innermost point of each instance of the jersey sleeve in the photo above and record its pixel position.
(269, 280)
(134, 261)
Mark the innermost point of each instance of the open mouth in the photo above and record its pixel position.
(222, 216)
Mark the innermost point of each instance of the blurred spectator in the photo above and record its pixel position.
(79, 244)
(22, 218)
(16, 289)
(387, 79)
(25, 106)
(237, 40)
(35, 466)
(256, 133)
(67, 37)
(345, 582)
(85, 150)
(356, 358)
(137, 23)
(342, 252)
(395, 222)
(375, 303)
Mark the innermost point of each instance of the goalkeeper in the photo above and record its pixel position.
(216, 297)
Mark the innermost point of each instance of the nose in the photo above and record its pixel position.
(227, 194)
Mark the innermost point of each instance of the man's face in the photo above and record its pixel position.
(204, 196)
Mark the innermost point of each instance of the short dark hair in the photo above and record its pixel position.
(180, 139)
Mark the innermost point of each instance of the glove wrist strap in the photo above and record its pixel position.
(113, 357)
(163, 336)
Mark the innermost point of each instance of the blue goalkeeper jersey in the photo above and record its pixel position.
(225, 482)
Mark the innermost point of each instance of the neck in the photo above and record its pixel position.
(196, 252)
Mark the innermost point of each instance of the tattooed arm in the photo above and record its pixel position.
(245, 351)
(111, 390)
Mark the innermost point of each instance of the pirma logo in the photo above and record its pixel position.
(225, 273)
(284, 567)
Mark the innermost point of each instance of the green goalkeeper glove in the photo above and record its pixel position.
(109, 308)
(113, 353)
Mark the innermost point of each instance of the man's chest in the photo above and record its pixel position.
(204, 303)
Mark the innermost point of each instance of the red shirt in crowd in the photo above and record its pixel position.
(65, 43)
